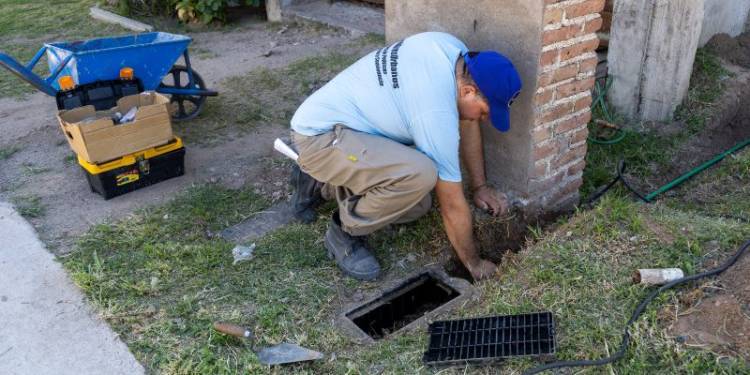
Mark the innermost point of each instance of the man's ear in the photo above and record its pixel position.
(465, 89)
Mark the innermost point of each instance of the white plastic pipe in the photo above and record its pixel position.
(659, 276)
(283, 148)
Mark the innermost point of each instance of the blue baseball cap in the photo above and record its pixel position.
(498, 81)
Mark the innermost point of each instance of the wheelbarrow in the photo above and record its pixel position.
(151, 56)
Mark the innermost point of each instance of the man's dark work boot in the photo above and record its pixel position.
(351, 253)
(306, 195)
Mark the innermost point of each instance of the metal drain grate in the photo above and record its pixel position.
(490, 338)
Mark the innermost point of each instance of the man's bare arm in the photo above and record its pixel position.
(458, 225)
(472, 152)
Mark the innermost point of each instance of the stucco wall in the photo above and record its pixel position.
(724, 16)
(486, 24)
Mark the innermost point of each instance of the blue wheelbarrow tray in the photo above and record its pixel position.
(150, 55)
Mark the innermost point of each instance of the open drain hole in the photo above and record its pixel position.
(402, 305)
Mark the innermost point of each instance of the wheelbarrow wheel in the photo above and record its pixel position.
(184, 107)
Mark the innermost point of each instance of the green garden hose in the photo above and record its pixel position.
(697, 170)
(601, 93)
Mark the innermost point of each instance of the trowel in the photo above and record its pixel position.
(273, 355)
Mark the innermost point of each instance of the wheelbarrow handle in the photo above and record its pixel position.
(186, 91)
(26, 72)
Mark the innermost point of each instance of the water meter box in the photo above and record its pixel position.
(135, 170)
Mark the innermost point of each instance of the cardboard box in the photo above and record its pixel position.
(96, 138)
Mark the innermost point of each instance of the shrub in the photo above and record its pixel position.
(187, 11)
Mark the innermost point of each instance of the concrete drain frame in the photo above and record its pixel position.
(404, 305)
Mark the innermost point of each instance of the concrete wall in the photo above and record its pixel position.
(651, 53)
(510, 27)
(724, 16)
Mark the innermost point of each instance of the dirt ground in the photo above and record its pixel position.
(720, 321)
(718, 318)
(735, 50)
(730, 126)
(43, 166)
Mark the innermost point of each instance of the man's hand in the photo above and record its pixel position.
(490, 200)
(483, 270)
(458, 225)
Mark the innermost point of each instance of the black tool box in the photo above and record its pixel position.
(136, 170)
(103, 95)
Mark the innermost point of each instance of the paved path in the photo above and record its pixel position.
(46, 327)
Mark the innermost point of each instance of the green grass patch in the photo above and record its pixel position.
(647, 150)
(7, 151)
(162, 277)
(265, 96)
(30, 169)
(29, 206)
(26, 25)
(723, 190)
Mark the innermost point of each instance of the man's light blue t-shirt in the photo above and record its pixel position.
(405, 92)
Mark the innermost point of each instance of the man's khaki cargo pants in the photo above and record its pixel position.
(375, 180)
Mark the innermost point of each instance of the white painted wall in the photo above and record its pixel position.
(724, 16)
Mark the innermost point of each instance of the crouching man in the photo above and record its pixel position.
(386, 131)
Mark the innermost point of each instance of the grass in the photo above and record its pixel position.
(30, 169)
(6, 152)
(161, 278)
(26, 25)
(29, 206)
(267, 96)
(646, 150)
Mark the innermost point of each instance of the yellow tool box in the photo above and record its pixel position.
(137, 170)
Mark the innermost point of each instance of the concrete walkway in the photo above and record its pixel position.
(46, 326)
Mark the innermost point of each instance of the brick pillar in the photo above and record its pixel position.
(562, 100)
(551, 42)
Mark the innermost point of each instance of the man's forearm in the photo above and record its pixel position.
(472, 152)
(457, 220)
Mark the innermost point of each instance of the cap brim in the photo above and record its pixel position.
(500, 117)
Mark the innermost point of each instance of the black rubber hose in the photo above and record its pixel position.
(636, 314)
(620, 177)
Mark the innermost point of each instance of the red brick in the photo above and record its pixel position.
(555, 113)
(553, 16)
(592, 26)
(566, 192)
(569, 156)
(576, 168)
(543, 98)
(589, 65)
(573, 123)
(582, 103)
(558, 75)
(579, 135)
(549, 57)
(540, 134)
(565, 72)
(578, 49)
(561, 34)
(547, 150)
(573, 88)
(584, 8)
(540, 169)
(545, 185)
